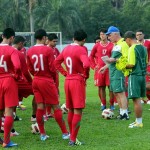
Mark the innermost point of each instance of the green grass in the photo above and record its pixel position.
(97, 133)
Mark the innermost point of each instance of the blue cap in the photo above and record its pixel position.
(112, 29)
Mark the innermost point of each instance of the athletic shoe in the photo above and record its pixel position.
(1, 141)
(65, 136)
(44, 137)
(50, 115)
(112, 107)
(136, 125)
(103, 107)
(14, 133)
(142, 102)
(33, 119)
(123, 117)
(129, 112)
(77, 143)
(148, 102)
(17, 118)
(10, 144)
(115, 104)
(45, 118)
(21, 107)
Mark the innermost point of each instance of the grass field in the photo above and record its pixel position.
(97, 133)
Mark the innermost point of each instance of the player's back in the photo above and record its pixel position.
(40, 61)
(6, 64)
(73, 56)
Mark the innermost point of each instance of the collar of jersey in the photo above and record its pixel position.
(39, 45)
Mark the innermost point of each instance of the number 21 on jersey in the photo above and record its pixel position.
(69, 64)
(38, 60)
(3, 63)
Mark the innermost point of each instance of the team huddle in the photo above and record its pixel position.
(116, 61)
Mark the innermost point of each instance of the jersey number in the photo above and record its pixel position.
(38, 60)
(69, 64)
(3, 63)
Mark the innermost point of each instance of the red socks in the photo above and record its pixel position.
(8, 123)
(70, 118)
(59, 119)
(75, 126)
(40, 121)
(103, 101)
(111, 102)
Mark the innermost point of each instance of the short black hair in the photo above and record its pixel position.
(19, 39)
(80, 35)
(39, 34)
(8, 32)
(96, 38)
(139, 30)
(129, 34)
(52, 36)
(1, 39)
(103, 30)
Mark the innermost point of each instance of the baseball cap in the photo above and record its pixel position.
(112, 29)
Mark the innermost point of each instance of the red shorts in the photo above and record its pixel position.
(45, 91)
(75, 93)
(8, 93)
(24, 89)
(101, 79)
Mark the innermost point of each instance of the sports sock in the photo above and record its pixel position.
(70, 118)
(59, 119)
(8, 123)
(139, 120)
(0, 123)
(103, 101)
(125, 111)
(121, 111)
(111, 102)
(75, 126)
(48, 109)
(40, 120)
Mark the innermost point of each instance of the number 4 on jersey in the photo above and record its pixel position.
(3, 63)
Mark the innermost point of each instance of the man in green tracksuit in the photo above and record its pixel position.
(137, 61)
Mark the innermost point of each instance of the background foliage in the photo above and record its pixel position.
(67, 16)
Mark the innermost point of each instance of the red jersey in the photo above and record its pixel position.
(147, 45)
(9, 61)
(25, 73)
(24, 51)
(40, 60)
(56, 52)
(75, 58)
(99, 50)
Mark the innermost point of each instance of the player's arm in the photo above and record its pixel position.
(131, 58)
(86, 64)
(58, 61)
(16, 63)
(24, 68)
(92, 56)
(29, 65)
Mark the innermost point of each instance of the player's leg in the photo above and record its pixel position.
(1, 115)
(34, 108)
(58, 115)
(111, 97)
(102, 95)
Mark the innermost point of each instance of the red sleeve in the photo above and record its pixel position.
(92, 56)
(86, 64)
(51, 64)
(24, 68)
(29, 65)
(16, 63)
(58, 61)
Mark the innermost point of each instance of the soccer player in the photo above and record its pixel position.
(75, 58)
(146, 43)
(25, 85)
(117, 79)
(137, 61)
(40, 60)
(10, 70)
(51, 42)
(100, 49)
